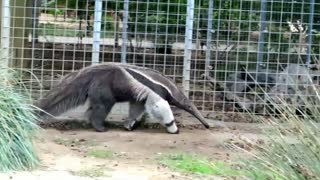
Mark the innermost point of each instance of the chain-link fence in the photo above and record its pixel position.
(218, 51)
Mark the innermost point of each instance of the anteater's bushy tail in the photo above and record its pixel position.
(68, 94)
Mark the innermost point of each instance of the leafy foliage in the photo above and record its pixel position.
(229, 16)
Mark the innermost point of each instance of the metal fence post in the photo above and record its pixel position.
(261, 35)
(5, 33)
(188, 47)
(124, 31)
(209, 36)
(311, 16)
(96, 31)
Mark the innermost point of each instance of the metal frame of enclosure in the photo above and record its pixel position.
(217, 51)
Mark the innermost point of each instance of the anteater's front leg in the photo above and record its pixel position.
(136, 110)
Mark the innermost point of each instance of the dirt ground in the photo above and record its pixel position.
(64, 153)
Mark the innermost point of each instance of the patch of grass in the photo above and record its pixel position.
(100, 153)
(196, 164)
(61, 141)
(18, 124)
(292, 148)
(92, 172)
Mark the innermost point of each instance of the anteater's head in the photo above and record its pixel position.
(161, 111)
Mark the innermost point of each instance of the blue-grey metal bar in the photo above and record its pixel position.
(209, 36)
(124, 31)
(263, 7)
(188, 47)
(5, 32)
(311, 16)
(96, 31)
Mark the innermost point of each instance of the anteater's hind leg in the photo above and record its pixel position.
(100, 107)
(97, 115)
(136, 110)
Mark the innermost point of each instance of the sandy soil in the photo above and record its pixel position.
(64, 153)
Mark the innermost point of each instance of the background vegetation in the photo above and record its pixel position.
(234, 22)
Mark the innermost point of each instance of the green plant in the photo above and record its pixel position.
(292, 148)
(107, 23)
(196, 164)
(55, 12)
(92, 172)
(100, 153)
(18, 124)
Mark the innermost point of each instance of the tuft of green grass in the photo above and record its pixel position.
(61, 141)
(292, 148)
(92, 172)
(199, 165)
(18, 125)
(100, 153)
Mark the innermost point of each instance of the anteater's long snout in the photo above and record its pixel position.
(195, 112)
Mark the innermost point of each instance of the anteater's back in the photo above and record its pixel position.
(71, 91)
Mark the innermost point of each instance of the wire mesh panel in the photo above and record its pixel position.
(61, 36)
(248, 49)
(239, 50)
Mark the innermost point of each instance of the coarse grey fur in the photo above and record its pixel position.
(136, 111)
(164, 87)
(102, 87)
(156, 81)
